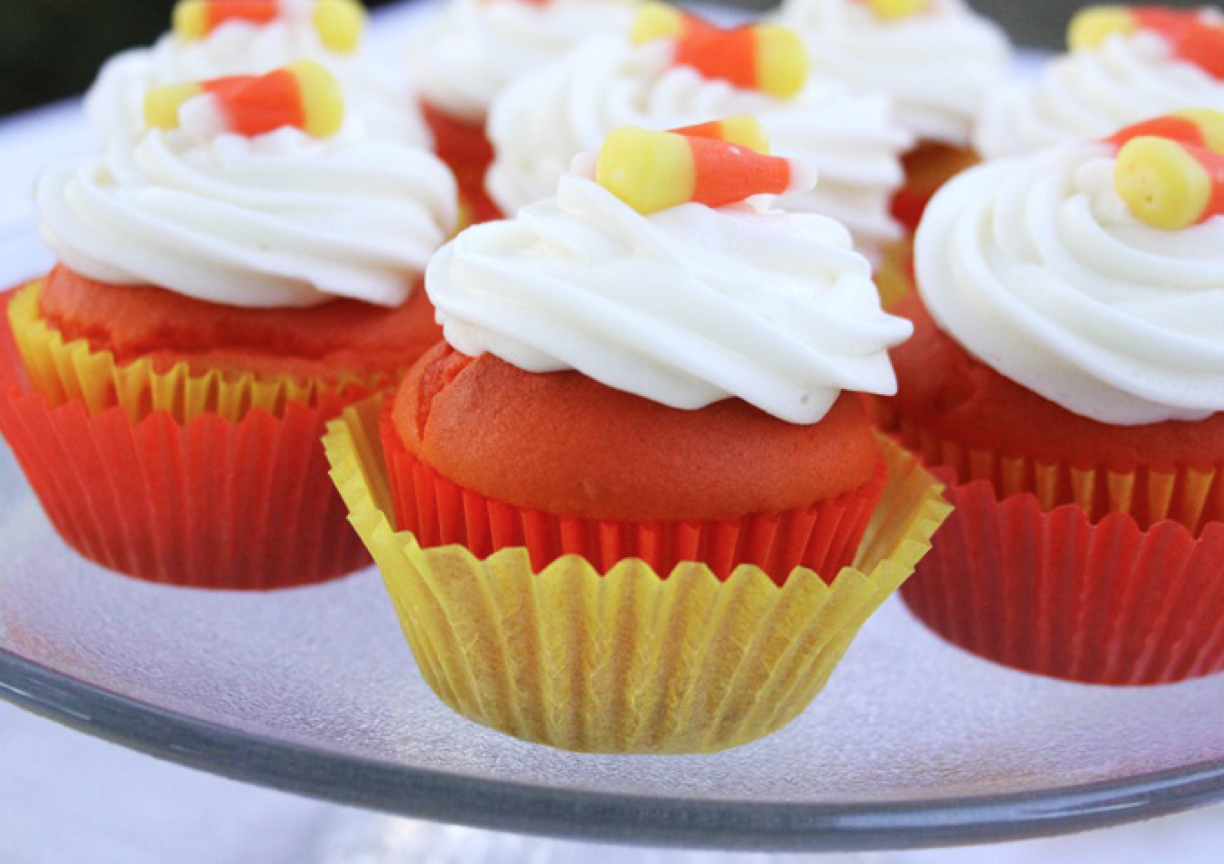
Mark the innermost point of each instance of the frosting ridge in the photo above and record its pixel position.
(686, 306)
(1037, 267)
(277, 220)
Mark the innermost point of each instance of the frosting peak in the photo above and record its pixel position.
(277, 220)
(1038, 267)
(686, 306)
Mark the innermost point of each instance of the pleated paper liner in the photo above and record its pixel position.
(208, 503)
(1033, 571)
(822, 538)
(73, 372)
(625, 661)
(1192, 495)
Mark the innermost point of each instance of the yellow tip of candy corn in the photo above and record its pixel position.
(746, 131)
(892, 10)
(649, 171)
(1210, 123)
(161, 105)
(340, 23)
(782, 65)
(190, 20)
(656, 21)
(1161, 183)
(1092, 26)
(322, 98)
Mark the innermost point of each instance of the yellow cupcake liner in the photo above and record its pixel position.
(625, 662)
(73, 372)
(1189, 494)
(892, 277)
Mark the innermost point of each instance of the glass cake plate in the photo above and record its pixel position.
(314, 690)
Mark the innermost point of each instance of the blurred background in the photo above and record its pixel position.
(50, 49)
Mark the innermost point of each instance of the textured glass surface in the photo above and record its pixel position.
(324, 673)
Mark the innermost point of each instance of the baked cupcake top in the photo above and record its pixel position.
(466, 54)
(544, 119)
(214, 38)
(219, 207)
(684, 304)
(1091, 273)
(1123, 65)
(936, 59)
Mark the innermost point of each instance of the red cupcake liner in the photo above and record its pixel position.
(467, 151)
(211, 503)
(1054, 593)
(927, 168)
(823, 537)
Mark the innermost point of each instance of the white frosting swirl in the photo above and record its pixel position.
(374, 105)
(937, 66)
(685, 307)
(1091, 93)
(1038, 268)
(542, 121)
(277, 220)
(467, 54)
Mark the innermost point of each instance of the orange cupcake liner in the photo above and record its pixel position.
(1096, 574)
(467, 151)
(927, 168)
(215, 503)
(823, 537)
(74, 372)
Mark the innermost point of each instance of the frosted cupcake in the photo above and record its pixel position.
(1068, 370)
(1124, 65)
(215, 38)
(226, 283)
(936, 59)
(674, 70)
(471, 50)
(636, 495)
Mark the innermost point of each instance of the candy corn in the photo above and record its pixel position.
(738, 129)
(763, 57)
(652, 171)
(1200, 127)
(1192, 38)
(1168, 184)
(304, 95)
(893, 10)
(339, 23)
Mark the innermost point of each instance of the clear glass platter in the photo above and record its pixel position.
(315, 691)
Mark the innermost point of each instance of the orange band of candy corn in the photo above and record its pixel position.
(764, 57)
(339, 23)
(738, 129)
(1191, 37)
(1168, 184)
(652, 171)
(304, 95)
(1199, 127)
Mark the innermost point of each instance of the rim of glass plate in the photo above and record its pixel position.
(618, 818)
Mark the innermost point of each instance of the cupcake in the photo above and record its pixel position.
(674, 70)
(226, 283)
(1067, 372)
(214, 38)
(471, 50)
(633, 504)
(1124, 65)
(936, 59)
